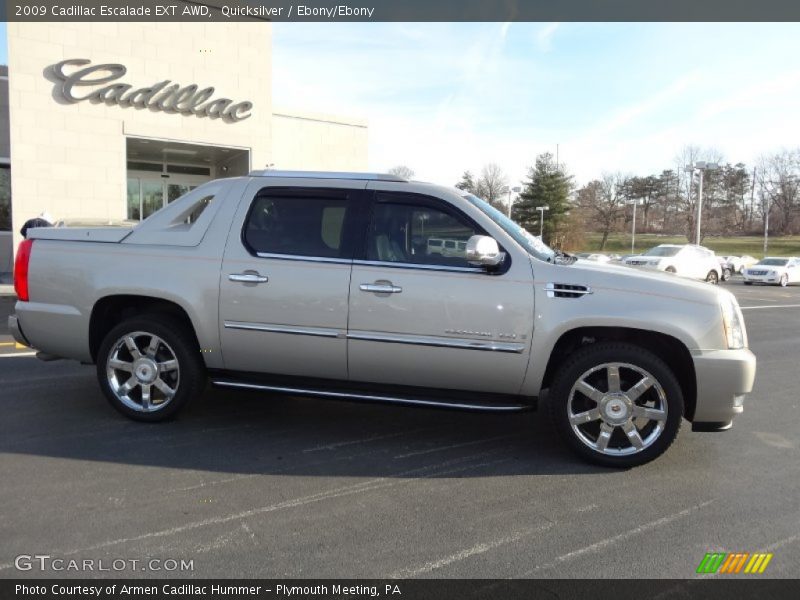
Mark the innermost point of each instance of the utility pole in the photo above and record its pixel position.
(701, 166)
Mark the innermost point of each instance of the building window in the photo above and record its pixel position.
(5, 198)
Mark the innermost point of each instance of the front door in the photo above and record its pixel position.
(285, 279)
(420, 315)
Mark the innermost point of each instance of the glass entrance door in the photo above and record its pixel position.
(147, 194)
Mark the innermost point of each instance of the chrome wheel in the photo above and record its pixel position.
(617, 409)
(784, 280)
(143, 372)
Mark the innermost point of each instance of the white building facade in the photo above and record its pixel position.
(111, 121)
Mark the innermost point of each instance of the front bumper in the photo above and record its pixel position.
(723, 379)
(774, 279)
(16, 331)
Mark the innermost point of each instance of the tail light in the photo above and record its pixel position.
(21, 270)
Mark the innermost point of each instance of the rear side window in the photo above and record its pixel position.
(298, 225)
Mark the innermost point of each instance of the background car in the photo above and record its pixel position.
(775, 270)
(594, 256)
(687, 260)
(746, 261)
(729, 265)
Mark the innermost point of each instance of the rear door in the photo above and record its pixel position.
(420, 316)
(286, 277)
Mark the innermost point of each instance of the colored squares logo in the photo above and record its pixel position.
(734, 562)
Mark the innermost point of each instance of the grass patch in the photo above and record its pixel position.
(737, 245)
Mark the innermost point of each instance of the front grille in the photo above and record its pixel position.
(637, 263)
(758, 273)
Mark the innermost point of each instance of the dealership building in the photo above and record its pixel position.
(106, 122)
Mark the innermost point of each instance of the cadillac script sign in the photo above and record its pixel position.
(164, 95)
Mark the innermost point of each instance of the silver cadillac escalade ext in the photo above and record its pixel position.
(327, 284)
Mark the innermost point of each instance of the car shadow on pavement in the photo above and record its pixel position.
(256, 433)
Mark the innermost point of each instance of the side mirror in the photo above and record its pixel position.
(483, 251)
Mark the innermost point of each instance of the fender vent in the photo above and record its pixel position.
(566, 290)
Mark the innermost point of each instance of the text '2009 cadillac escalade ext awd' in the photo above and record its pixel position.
(336, 285)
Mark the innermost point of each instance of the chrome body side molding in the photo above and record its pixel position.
(441, 342)
(313, 331)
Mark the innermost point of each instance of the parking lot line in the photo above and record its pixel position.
(17, 354)
(602, 544)
(770, 306)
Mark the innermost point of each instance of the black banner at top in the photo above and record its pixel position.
(402, 10)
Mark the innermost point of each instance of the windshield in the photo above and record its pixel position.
(663, 251)
(533, 244)
(774, 262)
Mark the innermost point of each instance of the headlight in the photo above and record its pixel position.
(732, 322)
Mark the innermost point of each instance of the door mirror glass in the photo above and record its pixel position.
(483, 251)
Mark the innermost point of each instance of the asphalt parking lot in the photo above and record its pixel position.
(248, 485)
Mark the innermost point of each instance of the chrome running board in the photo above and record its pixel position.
(503, 408)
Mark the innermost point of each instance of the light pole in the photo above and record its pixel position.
(701, 166)
(541, 210)
(516, 190)
(633, 228)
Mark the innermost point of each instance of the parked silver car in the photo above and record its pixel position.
(326, 285)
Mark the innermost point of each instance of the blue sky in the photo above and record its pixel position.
(445, 97)
(442, 98)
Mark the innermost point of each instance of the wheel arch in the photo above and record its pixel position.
(668, 348)
(111, 310)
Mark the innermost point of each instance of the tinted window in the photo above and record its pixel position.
(297, 225)
(417, 234)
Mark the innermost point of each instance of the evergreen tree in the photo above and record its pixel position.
(467, 183)
(547, 185)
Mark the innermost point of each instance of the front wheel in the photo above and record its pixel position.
(712, 277)
(616, 404)
(784, 280)
(726, 274)
(149, 367)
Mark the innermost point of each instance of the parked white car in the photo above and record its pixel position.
(594, 256)
(688, 260)
(775, 270)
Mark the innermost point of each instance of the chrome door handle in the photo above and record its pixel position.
(248, 278)
(380, 288)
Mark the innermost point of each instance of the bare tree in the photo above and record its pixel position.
(402, 171)
(603, 202)
(779, 189)
(493, 186)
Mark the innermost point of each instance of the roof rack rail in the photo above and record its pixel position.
(327, 175)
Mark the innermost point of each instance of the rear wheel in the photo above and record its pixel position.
(670, 270)
(712, 277)
(616, 404)
(149, 367)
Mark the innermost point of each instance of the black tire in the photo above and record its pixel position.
(726, 274)
(748, 283)
(592, 357)
(175, 341)
(670, 270)
(712, 277)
